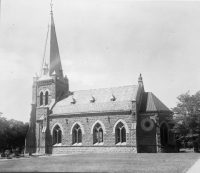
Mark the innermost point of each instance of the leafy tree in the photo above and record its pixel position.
(3, 127)
(12, 133)
(187, 115)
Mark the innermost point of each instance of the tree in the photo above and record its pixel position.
(3, 127)
(12, 133)
(187, 115)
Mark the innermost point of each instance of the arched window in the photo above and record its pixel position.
(97, 134)
(120, 133)
(41, 98)
(76, 134)
(164, 134)
(46, 97)
(57, 135)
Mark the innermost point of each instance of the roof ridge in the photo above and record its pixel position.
(106, 88)
(99, 102)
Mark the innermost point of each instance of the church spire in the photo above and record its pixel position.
(51, 50)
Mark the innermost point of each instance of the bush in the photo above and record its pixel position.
(3, 155)
(190, 144)
(7, 153)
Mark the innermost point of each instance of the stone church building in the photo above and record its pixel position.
(118, 119)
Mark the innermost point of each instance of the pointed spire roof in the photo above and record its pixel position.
(51, 50)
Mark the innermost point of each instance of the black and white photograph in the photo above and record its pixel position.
(100, 86)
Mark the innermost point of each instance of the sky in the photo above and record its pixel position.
(102, 43)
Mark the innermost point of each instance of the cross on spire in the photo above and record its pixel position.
(51, 6)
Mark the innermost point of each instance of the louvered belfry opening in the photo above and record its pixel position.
(46, 98)
(41, 98)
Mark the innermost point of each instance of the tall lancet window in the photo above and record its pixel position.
(77, 135)
(41, 98)
(97, 134)
(46, 98)
(120, 133)
(164, 134)
(57, 135)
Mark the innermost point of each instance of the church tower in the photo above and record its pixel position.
(48, 88)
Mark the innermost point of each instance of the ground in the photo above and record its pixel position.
(136, 163)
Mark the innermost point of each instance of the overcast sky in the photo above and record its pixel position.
(102, 44)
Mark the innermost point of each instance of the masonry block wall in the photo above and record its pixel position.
(61, 87)
(40, 137)
(87, 122)
(30, 142)
(146, 139)
(166, 118)
(31, 134)
(51, 96)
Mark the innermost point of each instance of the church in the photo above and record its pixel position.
(118, 119)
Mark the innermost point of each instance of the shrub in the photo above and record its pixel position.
(7, 153)
(3, 155)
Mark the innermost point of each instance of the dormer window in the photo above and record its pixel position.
(46, 98)
(92, 100)
(73, 101)
(41, 98)
(112, 98)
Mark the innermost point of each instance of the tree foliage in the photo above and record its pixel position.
(12, 133)
(187, 115)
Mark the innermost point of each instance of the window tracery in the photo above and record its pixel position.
(97, 134)
(120, 133)
(76, 135)
(57, 135)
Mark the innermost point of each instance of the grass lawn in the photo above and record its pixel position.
(141, 163)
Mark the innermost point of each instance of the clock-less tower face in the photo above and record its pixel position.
(147, 124)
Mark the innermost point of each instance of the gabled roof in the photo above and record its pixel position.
(103, 100)
(150, 103)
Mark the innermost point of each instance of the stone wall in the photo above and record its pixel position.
(149, 141)
(30, 142)
(50, 88)
(146, 139)
(41, 111)
(93, 149)
(87, 122)
(166, 118)
(88, 149)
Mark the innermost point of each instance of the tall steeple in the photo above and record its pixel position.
(51, 57)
